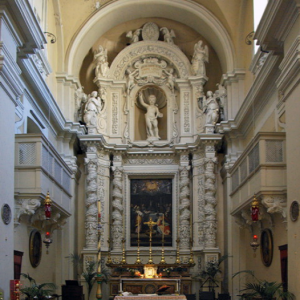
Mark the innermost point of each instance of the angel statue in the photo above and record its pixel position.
(199, 59)
(211, 108)
(80, 100)
(134, 36)
(92, 109)
(100, 60)
(168, 35)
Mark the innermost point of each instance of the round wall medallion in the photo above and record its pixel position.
(35, 248)
(294, 211)
(266, 247)
(6, 214)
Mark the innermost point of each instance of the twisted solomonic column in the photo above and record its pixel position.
(91, 204)
(117, 209)
(210, 203)
(184, 208)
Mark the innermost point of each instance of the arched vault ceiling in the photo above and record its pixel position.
(120, 12)
(115, 41)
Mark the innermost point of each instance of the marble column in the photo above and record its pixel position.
(198, 199)
(103, 182)
(210, 201)
(184, 203)
(91, 199)
(97, 188)
(118, 218)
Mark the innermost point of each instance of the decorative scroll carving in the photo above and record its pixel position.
(91, 204)
(25, 207)
(121, 63)
(117, 206)
(186, 110)
(115, 113)
(184, 207)
(275, 204)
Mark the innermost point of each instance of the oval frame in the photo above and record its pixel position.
(266, 247)
(294, 211)
(35, 248)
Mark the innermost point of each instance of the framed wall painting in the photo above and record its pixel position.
(35, 248)
(151, 198)
(266, 247)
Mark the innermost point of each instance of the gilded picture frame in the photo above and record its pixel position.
(266, 247)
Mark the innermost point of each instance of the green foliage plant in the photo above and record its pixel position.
(35, 290)
(90, 271)
(212, 270)
(263, 289)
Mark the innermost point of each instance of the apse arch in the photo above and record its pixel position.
(194, 15)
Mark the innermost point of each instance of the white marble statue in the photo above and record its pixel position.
(168, 35)
(131, 79)
(199, 59)
(211, 108)
(92, 109)
(151, 116)
(171, 79)
(100, 59)
(80, 100)
(134, 35)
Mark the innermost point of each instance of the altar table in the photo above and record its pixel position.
(141, 297)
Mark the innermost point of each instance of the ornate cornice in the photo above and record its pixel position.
(290, 70)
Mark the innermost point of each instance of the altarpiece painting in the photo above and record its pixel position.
(151, 198)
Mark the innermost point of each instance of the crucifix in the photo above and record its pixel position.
(150, 224)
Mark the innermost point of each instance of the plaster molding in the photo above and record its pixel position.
(290, 70)
(193, 14)
(166, 51)
(25, 18)
(10, 72)
(276, 23)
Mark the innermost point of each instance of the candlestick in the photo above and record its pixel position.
(163, 231)
(162, 261)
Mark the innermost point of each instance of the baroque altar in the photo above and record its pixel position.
(150, 156)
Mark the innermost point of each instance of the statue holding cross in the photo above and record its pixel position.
(150, 224)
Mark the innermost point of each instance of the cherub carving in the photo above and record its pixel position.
(168, 35)
(134, 36)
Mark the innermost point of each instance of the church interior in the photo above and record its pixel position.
(150, 147)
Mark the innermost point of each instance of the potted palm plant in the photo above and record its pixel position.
(211, 272)
(90, 271)
(36, 290)
(263, 289)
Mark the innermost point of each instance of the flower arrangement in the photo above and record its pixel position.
(168, 270)
(133, 272)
